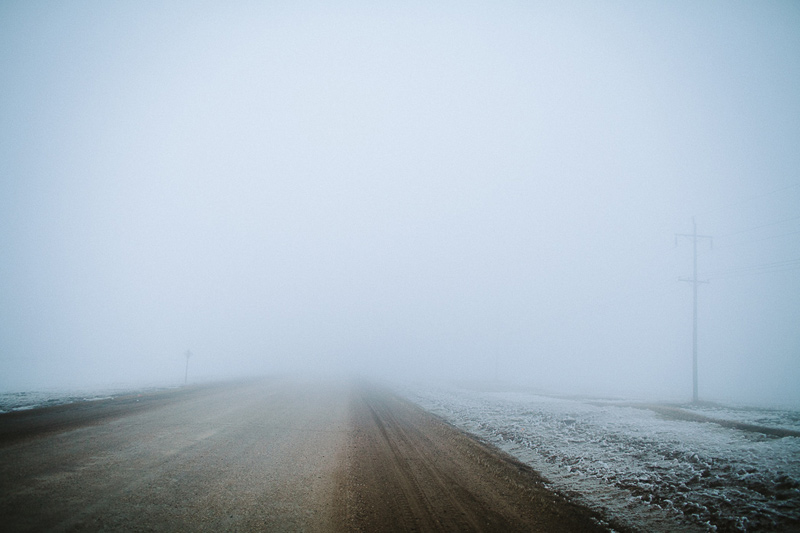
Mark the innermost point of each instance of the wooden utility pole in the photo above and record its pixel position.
(188, 354)
(694, 281)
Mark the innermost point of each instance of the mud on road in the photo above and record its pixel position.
(271, 455)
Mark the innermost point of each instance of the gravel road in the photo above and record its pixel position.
(272, 455)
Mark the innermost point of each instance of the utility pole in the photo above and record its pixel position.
(694, 281)
(188, 354)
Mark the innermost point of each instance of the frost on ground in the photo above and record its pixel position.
(24, 400)
(644, 469)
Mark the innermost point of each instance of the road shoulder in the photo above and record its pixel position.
(405, 469)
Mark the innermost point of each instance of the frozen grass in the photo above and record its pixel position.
(20, 401)
(646, 469)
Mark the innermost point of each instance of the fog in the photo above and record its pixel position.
(452, 190)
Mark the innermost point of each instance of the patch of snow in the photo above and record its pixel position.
(638, 467)
(774, 418)
(22, 401)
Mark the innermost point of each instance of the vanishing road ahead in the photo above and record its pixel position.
(270, 455)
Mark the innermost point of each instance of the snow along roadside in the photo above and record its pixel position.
(633, 464)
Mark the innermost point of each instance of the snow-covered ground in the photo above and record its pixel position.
(642, 468)
(20, 401)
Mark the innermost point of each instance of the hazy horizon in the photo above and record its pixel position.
(466, 191)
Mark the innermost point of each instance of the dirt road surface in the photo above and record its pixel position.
(271, 455)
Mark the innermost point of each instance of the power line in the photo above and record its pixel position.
(759, 227)
(744, 274)
(752, 198)
(754, 241)
(770, 193)
(765, 265)
(764, 268)
(755, 273)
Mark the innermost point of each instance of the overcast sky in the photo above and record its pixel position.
(465, 190)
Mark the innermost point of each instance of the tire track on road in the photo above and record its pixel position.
(406, 470)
